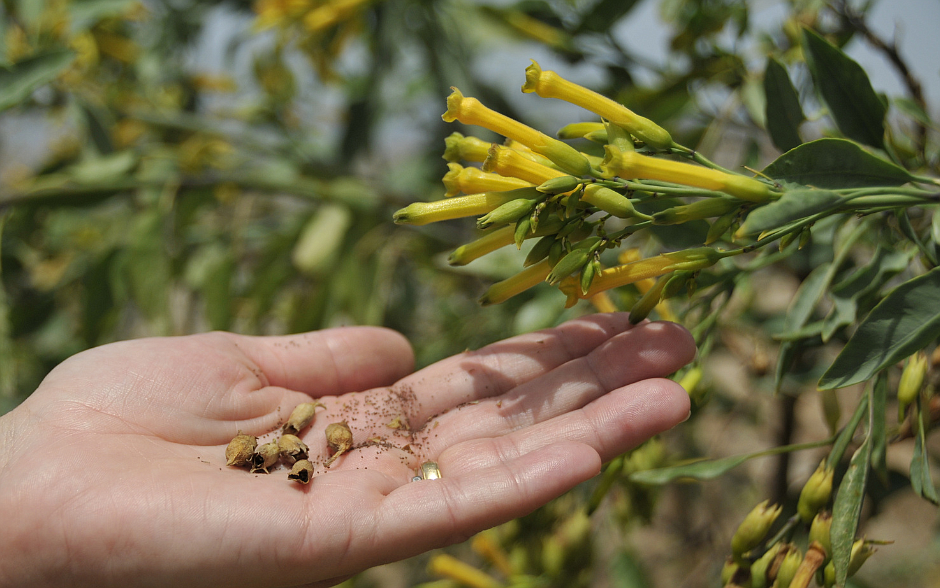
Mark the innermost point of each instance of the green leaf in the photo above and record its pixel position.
(784, 113)
(19, 81)
(792, 206)
(604, 14)
(907, 320)
(807, 297)
(879, 394)
(835, 163)
(847, 509)
(85, 13)
(845, 435)
(857, 109)
(921, 481)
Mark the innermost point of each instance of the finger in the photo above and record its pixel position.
(499, 367)
(648, 351)
(332, 361)
(424, 515)
(611, 425)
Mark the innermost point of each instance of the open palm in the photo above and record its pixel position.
(112, 472)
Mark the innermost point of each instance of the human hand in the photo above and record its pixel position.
(112, 473)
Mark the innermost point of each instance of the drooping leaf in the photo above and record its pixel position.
(906, 320)
(921, 481)
(18, 81)
(847, 508)
(835, 163)
(792, 206)
(784, 113)
(858, 111)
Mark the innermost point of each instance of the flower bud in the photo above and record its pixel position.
(512, 163)
(608, 200)
(754, 527)
(761, 568)
(539, 251)
(301, 417)
(630, 164)
(861, 551)
(819, 531)
(579, 130)
(476, 249)
(574, 260)
(912, 380)
(339, 439)
(471, 180)
(728, 570)
(240, 449)
(523, 229)
(645, 305)
(264, 457)
(506, 213)
(704, 208)
(815, 493)
(587, 275)
(786, 566)
(422, 213)
(302, 472)
(559, 185)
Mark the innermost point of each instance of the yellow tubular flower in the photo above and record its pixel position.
(629, 164)
(549, 84)
(613, 277)
(450, 567)
(471, 111)
(486, 244)
(422, 213)
(471, 180)
(527, 278)
(457, 147)
(579, 130)
(603, 303)
(510, 163)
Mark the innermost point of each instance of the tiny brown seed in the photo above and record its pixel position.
(301, 472)
(240, 449)
(292, 448)
(264, 457)
(301, 417)
(339, 438)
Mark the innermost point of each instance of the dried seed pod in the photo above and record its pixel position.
(240, 449)
(339, 438)
(301, 472)
(264, 457)
(301, 417)
(292, 448)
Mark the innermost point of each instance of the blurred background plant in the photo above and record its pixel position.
(169, 167)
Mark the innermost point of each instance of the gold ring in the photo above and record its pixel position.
(428, 471)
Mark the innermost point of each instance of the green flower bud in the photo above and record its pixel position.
(555, 252)
(761, 568)
(571, 203)
(721, 226)
(574, 260)
(599, 137)
(912, 380)
(608, 200)
(649, 300)
(788, 566)
(861, 551)
(523, 229)
(704, 208)
(675, 283)
(815, 493)
(587, 276)
(805, 235)
(458, 147)
(559, 185)
(788, 239)
(506, 213)
(728, 571)
(478, 248)
(539, 251)
(819, 530)
(754, 527)
(579, 130)
(619, 137)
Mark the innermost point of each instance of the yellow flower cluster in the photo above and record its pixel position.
(534, 186)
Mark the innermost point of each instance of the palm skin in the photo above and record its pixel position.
(113, 472)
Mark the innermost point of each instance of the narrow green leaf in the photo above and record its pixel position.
(877, 415)
(847, 509)
(807, 297)
(19, 81)
(611, 474)
(906, 320)
(784, 113)
(712, 468)
(835, 163)
(857, 109)
(792, 206)
(921, 481)
(845, 435)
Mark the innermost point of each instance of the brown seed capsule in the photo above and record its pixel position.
(264, 457)
(339, 438)
(301, 472)
(301, 417)
(240, 449)
(292, 448)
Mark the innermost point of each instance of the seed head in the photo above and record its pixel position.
(240, 449)
(301, 417)
(339, 438)
(301, 472)
(291, 448)
(264, 457)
